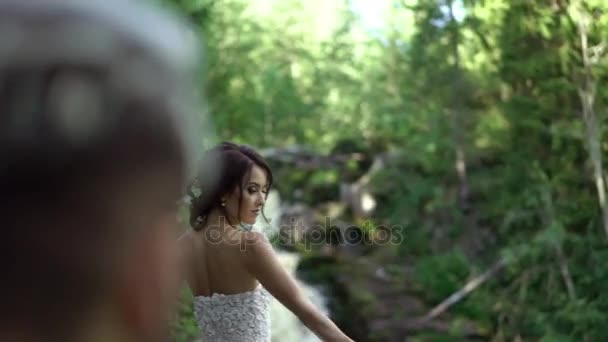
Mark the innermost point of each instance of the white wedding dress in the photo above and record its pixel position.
(241, 317)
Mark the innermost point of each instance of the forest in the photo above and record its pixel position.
(472, 132)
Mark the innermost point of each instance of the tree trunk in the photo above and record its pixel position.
(587, 91)
(455, 114)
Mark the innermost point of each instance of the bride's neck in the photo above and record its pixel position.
(218, 220)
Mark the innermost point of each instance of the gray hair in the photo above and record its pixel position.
(148, 52)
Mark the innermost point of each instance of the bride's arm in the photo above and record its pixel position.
(263, 264)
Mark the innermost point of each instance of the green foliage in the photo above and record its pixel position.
(441, 275)
(496, 89)
(184, 327)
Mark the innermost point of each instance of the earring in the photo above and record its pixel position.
(223, 204)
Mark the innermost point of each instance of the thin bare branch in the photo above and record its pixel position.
(565, 271)
(463, 292)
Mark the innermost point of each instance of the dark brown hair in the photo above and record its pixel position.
(222, 170)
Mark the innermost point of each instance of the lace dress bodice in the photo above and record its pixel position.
(241, 317)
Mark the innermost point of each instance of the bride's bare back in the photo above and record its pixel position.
(216, 266)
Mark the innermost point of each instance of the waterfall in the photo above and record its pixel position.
(286, 327)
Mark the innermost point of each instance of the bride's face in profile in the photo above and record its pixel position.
(251, 200)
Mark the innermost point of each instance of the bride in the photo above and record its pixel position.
(233, 272)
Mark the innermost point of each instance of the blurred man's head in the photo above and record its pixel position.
(92, 160)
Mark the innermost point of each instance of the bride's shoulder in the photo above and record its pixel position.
(255, 244)
(254, 238)
(250, 241)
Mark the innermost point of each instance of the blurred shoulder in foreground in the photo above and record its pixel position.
(96, 104)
